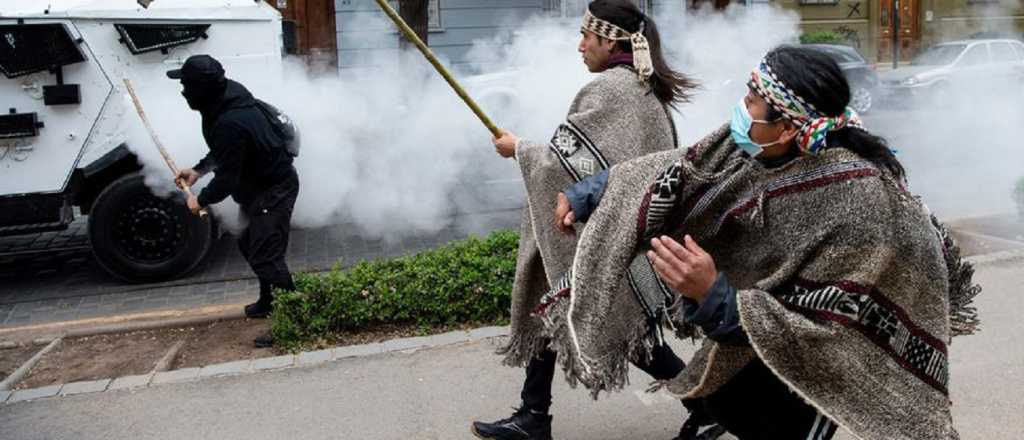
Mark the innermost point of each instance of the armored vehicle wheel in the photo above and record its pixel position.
(139, 237)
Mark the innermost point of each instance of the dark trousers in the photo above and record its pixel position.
(540, 373)
(756, 405)
(264, 241)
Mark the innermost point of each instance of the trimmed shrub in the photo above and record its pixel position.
(468, 281)
(822, 37)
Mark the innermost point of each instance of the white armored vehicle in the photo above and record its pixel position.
(64, 119)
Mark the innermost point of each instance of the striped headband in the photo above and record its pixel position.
(814, 125)
(641, 48)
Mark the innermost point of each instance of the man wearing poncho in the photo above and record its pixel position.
(622, 114)
(827, 293)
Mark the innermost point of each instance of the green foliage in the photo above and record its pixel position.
(468, 281)
(822, 37)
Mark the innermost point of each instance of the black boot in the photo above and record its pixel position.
(523, 425)
(259, 309)
(264, 341)
(262, 307)
(699, 427)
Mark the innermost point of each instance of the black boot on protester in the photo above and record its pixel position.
(263, 341)
(691, 429)
(263, 306)
(523, 425)
(259, 309)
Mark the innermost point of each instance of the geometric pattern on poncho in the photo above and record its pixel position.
(659, 201)
(864, 309)
(576, 152)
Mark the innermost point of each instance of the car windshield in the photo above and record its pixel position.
(940, 55)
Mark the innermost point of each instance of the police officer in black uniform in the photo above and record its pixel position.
(251, 163)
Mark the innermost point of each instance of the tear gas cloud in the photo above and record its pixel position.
(962, 147)
(394, 152)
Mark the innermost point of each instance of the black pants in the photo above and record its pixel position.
(264, 241)
(540, 372)
(756, 405)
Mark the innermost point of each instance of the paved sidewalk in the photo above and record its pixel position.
(435, 393)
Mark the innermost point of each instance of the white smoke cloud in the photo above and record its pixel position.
(394, 152)
(962, 150)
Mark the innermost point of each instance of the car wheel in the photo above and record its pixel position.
(861, 100)
(139, 237)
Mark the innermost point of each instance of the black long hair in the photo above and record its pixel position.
(817, 79)
(669, 86)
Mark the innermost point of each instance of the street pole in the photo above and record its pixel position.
(895, 34)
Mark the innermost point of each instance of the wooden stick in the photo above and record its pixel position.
(415, 39)
(156, 140)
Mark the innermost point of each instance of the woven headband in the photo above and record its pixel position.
(641, 48)
(814, 126)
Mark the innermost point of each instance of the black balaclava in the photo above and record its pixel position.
(201, 95)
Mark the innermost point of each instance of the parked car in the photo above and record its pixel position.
(958, 65)
(859, 73)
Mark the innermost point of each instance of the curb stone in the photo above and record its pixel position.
(273, 363)
(130, 382)
(488, 332)
(358, 350)
(304, 359)
(996, 257)
(314, 357)
(94, 386)
(34, 393)
(405, 344)
(175, 376)
(225, 369)
(450, 338)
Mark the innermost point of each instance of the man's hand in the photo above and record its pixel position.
(187, 177)
(685, 267)
(193, 204)
(505, 144)
(564, 218)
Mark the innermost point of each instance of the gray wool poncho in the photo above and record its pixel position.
(845, 283)
(613, 118)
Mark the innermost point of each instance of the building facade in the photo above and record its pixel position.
(346, 33)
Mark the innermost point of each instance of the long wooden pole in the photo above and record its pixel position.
(411, 35)
(156, 140)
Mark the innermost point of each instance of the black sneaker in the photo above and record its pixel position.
(258, 309)
(523, 425)
(264, 341)
(700, 428)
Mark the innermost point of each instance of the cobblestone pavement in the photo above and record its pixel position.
(52, 277)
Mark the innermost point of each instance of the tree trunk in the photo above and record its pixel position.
(414, 12)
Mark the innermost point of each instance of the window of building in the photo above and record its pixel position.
(434, 15)
(576, 8)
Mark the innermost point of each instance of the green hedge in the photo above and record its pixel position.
(822, 37)
(468, 281)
